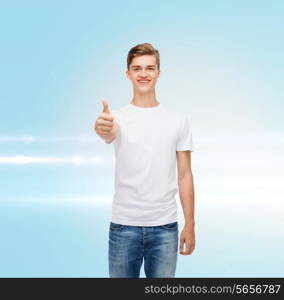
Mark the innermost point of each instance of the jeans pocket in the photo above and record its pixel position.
(170, 226)
(115, 226)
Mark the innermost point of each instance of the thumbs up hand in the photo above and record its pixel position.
(105, 126)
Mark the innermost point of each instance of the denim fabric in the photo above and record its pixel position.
(129, 245)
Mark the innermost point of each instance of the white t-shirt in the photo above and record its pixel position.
(146, 165)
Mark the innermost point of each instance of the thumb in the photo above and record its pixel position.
(106, 108)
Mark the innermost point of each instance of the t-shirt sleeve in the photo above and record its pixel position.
(184, 140)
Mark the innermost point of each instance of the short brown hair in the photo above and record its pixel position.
(143, 49)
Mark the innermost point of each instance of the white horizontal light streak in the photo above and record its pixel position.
(75, 160)
(30, 139)
(58, 199)
(242, 139)
(273, 138)
(217, 163)
(237, 184)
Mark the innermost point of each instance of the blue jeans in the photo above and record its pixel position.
(128, 245)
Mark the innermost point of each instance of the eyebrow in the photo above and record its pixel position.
(140, 66)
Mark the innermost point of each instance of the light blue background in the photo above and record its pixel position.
(221, 62)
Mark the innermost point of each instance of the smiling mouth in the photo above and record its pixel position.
(143, 81)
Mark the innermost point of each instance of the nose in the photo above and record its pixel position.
(143, 73)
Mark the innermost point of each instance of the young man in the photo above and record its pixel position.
(150, 140)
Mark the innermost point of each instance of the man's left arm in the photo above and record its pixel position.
(186, 193)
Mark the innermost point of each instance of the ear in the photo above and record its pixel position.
(127, 75)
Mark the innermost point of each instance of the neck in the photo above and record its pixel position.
(144, 99)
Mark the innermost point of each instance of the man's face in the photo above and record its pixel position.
(143, 72)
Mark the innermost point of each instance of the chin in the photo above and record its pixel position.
(144, 89)
(141, 87)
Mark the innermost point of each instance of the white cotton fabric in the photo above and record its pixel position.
(146, 165)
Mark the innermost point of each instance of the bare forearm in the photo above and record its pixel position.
(186, 194)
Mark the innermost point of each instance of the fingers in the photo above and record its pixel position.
(186, 247)
(181, 245)
(104, 126)
(105, 123)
